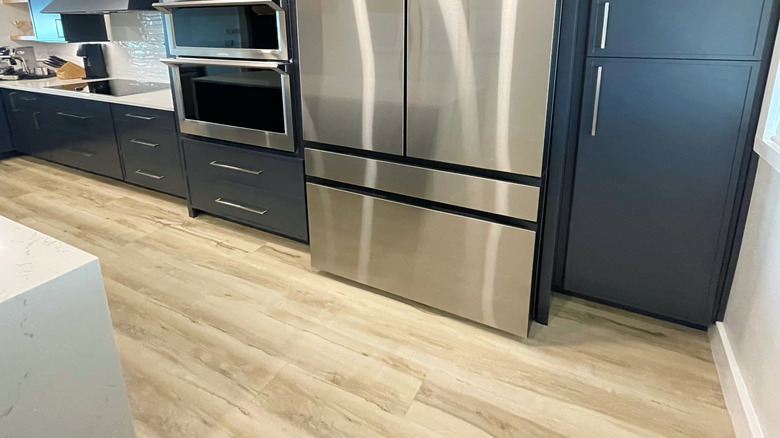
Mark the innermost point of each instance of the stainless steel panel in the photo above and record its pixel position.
(352, 73)
(280, 141)
(281, 54)
(483, 194)
(478, 77)
(476, 269)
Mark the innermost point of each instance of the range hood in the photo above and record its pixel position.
(97, 6)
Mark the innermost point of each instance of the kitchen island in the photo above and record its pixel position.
(59, 368)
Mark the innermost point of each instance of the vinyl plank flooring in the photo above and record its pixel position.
(226, 331)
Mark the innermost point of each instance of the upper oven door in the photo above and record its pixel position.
(245, 102)
(249, 29)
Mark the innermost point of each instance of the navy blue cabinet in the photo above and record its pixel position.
(6, 145)
(48, 27)
(247, 185)
(80, 133)
(656, 152)
(149, 145)
(24, 119)
(704, 29)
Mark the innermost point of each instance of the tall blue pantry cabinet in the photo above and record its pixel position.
(667, 102)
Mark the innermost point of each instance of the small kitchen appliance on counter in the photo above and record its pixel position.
(94, 61)
(20, 64)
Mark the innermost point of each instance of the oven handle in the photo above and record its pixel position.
(167, 6)
(224, 62)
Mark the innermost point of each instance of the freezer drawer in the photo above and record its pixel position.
(469, 267)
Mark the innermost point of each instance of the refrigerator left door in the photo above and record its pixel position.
(352, 73)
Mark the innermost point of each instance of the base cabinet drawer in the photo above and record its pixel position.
(473, 268)
(270, 173)
(155, 175)
(275, 213)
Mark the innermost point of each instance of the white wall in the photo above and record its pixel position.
(9, 13)
(752, 320)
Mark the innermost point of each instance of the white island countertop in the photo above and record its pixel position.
(160, 100)
(29, 259)
(60, 374)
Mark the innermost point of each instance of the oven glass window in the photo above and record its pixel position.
(230, 27)
(234, 96)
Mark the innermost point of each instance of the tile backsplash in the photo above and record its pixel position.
(137, 44)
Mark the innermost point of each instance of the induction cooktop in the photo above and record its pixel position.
(114, 87)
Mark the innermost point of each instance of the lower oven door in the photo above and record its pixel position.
(241, 101)
(470, 267)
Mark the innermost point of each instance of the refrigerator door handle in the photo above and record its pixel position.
(596, 102)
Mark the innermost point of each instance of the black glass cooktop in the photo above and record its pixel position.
(114, 87)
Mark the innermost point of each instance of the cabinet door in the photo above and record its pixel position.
(657, 148)
(5, 132)
(25, 122)
(352, 73)
(695, 29)
(48, 27)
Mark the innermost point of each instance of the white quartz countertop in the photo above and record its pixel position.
(161, 99)
(29, 258)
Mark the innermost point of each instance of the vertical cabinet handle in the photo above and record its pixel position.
(12, 98)
(604, 26)
(596, 102)
(35, 121)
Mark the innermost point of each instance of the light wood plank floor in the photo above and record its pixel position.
(225, 331)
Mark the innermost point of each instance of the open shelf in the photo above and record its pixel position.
(14, 2)
(22, 37)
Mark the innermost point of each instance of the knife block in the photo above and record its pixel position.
(71, 71)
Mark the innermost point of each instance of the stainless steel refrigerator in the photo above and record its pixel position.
(424, 126)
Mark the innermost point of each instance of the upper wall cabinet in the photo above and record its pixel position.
(689, 29)
(48, 27)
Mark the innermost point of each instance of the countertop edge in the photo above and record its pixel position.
(159, 100)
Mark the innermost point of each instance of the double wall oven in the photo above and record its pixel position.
(231, 70)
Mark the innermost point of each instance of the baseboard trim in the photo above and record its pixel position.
(735, 392)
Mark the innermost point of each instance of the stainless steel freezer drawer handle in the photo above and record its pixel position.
(149, 175)
(241, 207)
(144, 143)
(236, 168)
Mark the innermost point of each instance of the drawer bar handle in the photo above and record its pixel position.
(73, 116)
(149, 175)
(28, 99)
(136, 116)
(82, 153)
(241, 207)
(145, 143)
(237, 169)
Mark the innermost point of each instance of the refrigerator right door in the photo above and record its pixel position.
(478, 75)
